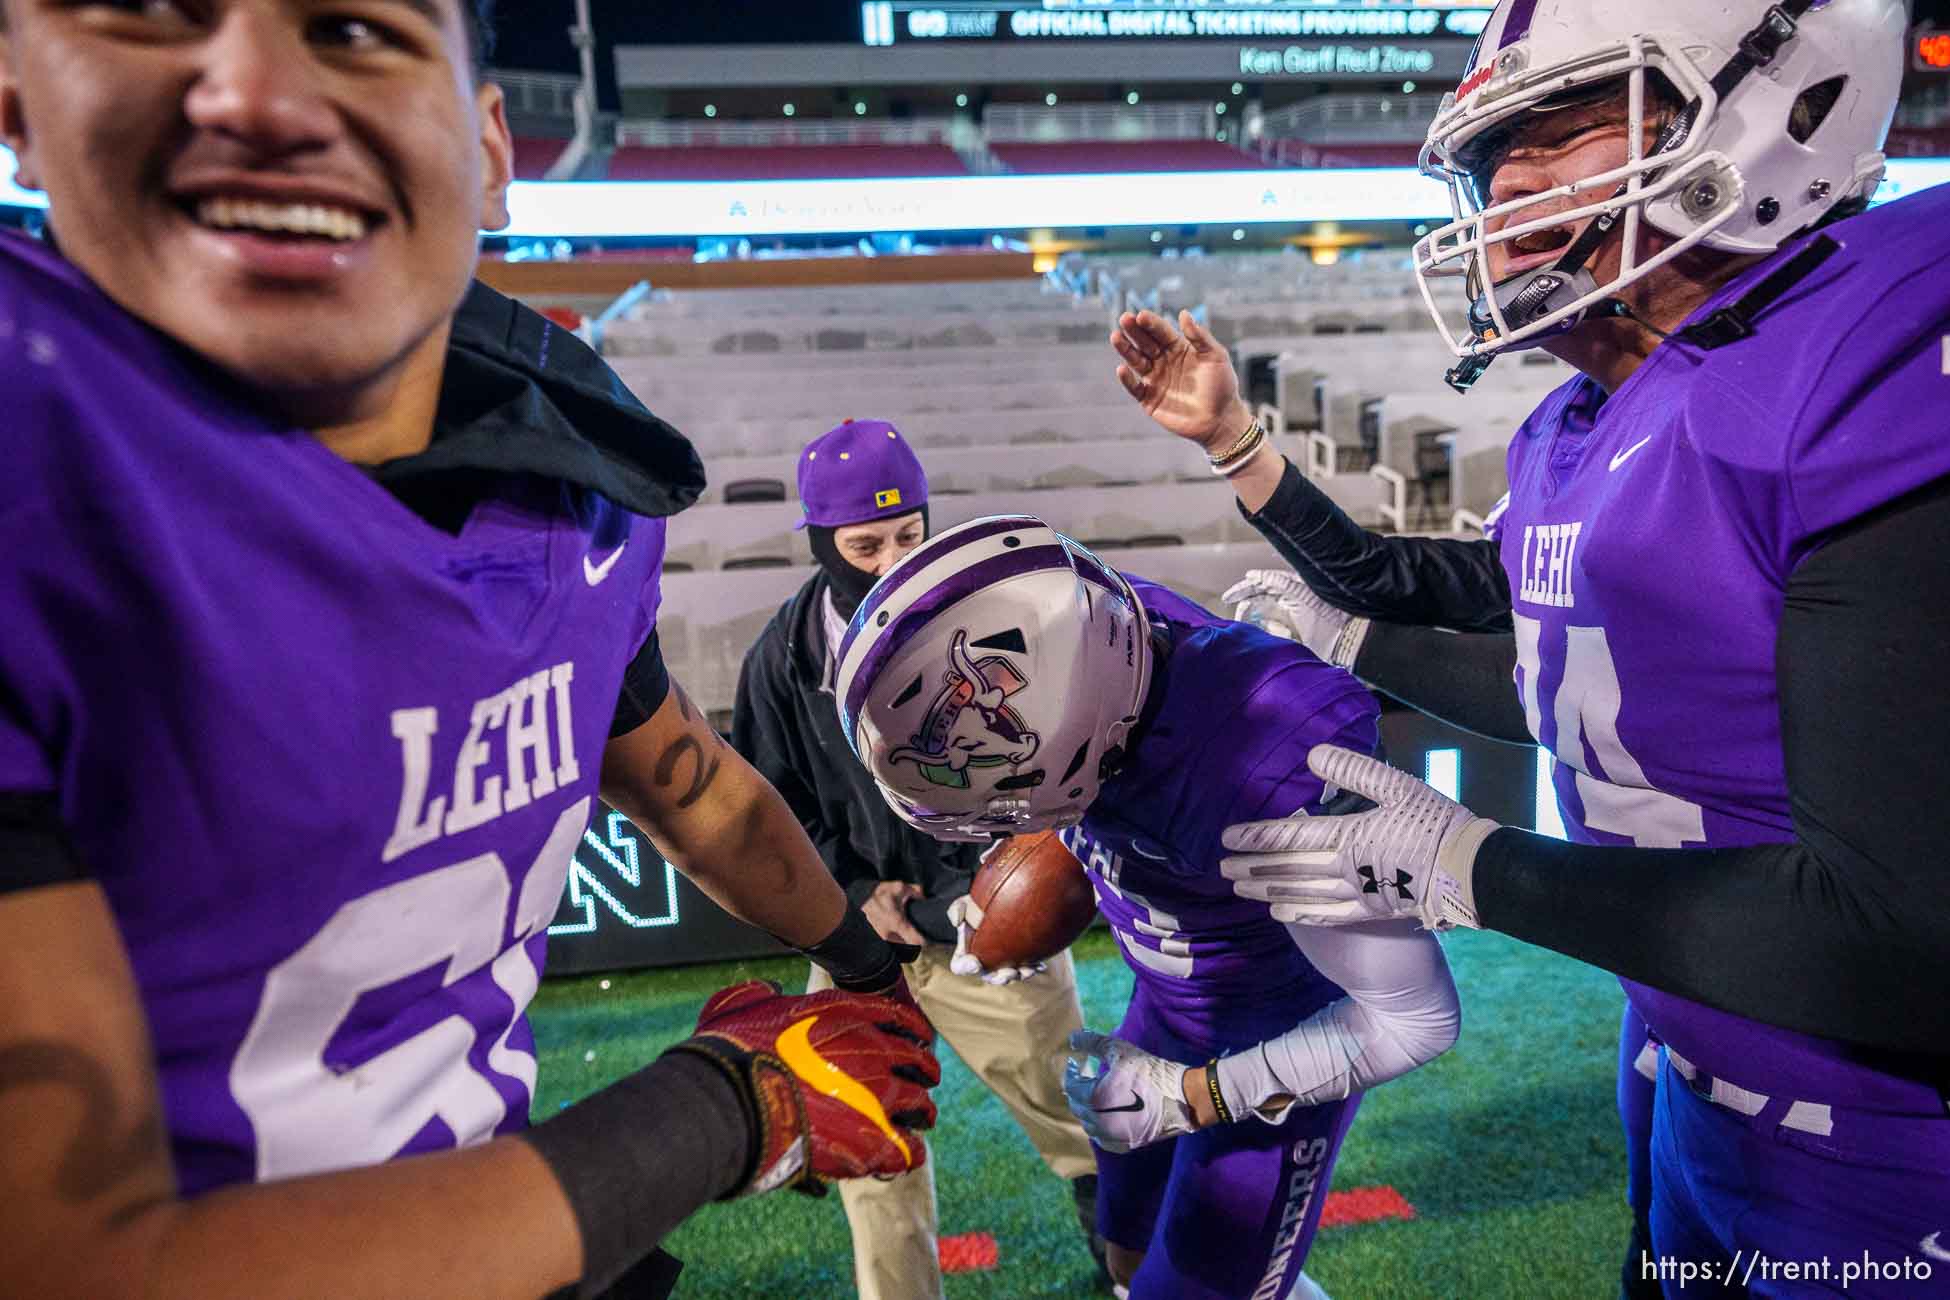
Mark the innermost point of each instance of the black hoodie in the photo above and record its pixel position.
(523, 396)
(786, 725)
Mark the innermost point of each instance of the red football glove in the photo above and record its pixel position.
(836, 1083)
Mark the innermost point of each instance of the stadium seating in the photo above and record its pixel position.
(955, 470)
(1001, 431)
(533, 157)
(784, 162)
(709, 620)
(1194, 514)
(1096, 156)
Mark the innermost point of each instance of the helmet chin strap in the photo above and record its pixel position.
(1532, 295)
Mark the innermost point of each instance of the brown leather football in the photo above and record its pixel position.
(1035, 898)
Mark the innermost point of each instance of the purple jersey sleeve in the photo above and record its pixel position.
(651, 535)
(1875, 426)
(24, 765)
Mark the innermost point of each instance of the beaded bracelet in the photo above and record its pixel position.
(1243, 452)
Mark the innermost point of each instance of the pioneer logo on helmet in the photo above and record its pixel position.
(970, 723)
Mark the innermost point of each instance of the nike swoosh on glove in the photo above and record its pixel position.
(967, 916)
(835, 1083)
(1280, 603)
(1412, 856)
(1131, 1099)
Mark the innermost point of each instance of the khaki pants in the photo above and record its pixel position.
(1014, 1039)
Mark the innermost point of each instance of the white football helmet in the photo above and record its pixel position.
(1737, 171)
(990, 677)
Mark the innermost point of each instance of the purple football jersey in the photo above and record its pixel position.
(328, 762)
(1649, 540)
(1227, 743)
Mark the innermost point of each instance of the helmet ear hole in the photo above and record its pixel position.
(1813, 107)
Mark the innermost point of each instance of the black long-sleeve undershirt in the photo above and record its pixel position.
(1466, 679)
(1413, 588)
(1844, 933)
(1420, 581)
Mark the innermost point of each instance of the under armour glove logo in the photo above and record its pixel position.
(1400, 884)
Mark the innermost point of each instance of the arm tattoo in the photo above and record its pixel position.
(688, 711)
(104, 1154)
(703, 770)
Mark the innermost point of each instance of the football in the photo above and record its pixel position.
(1036, 900)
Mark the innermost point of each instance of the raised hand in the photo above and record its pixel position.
(1182, 377)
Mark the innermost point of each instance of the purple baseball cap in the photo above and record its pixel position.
(862, 471)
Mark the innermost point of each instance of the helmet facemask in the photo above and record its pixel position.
(1785, 108)
(1540, 303)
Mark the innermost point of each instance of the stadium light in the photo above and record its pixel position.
(859, 108)
(1546, 819)
(1050, 99)
(1442, 769)
(1220, 108)
(790, 110)
(961, 101)
(710, 110)
(1408, 88)
(1131, 98)
(1238, 88)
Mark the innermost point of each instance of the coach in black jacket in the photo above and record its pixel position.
(865, 500)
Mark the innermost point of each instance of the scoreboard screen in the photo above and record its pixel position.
(895, 22)
(625, 907)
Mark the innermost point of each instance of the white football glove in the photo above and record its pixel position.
(1131, 1100)
(967, 916)
(1279, 602)
(1412, 856)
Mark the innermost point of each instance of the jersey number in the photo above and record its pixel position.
(1586, 713)
(311, 1115)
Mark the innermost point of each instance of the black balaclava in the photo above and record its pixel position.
(848, 582)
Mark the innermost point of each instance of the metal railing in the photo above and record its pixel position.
(1063, 123)
(786, 132)
(630, 297)
(1354, 119)
(1395, 509)
(537, 94)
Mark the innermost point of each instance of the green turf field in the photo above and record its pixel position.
(1508, 1147)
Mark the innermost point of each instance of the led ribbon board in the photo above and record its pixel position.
(892, 22)
(909, 205)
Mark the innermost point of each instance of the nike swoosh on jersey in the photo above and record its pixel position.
(822, 1076)
(1628, 453)
(1136, 1104)
(595, 573)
